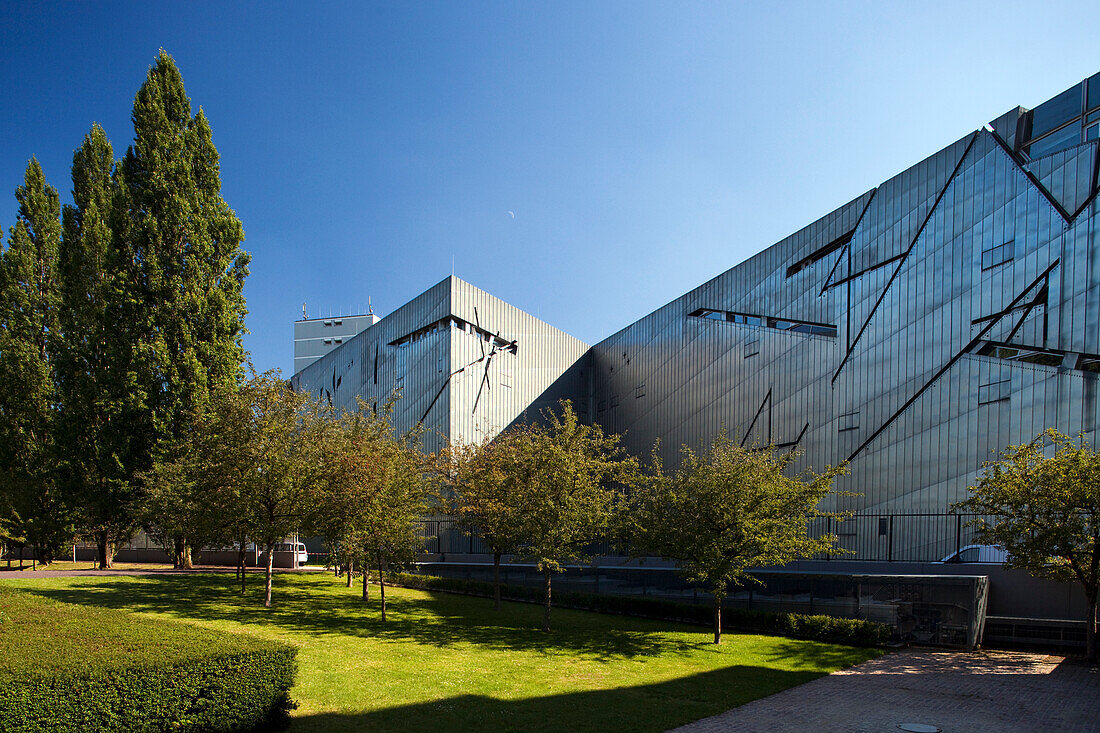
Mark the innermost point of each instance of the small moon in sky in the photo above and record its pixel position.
(512, 214)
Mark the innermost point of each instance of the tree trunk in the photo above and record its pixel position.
(382, 586)
(270, 565)
(351, 573)
(546, 612)
(366, 577)
(185, 558)
(496, 581)
(101, 548)
(177, 552)
(717, 619)
(241, 554)
(1093, 616)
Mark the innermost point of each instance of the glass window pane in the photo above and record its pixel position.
(1058, 141)
(1057, 111)
(1094, 91)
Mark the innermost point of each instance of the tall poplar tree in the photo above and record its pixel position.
(28, 333)
(185, 245)
(103, 429)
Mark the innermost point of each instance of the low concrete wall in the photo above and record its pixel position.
(1011, 592)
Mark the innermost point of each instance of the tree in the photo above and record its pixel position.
(377, 493)
(183, 242)
(1043, 500)
(29, 332)
(565, 475)
(104, 429)
(483, 497)
(728, 510)
(285, 434)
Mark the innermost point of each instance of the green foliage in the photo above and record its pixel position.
(855, 632)
(1045, 500)
(29, 493)
(484, 496)
(104, 428)
(728, 510)
(111, 671)
(567, 472)
(375, 492)
(253, 467)
(118, 321)
(183, 241)
(565, 477)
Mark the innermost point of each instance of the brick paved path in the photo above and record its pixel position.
(957, 692)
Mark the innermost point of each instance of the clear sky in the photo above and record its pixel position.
(642, 147)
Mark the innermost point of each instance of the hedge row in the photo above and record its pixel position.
(855, 632)
(78, 668)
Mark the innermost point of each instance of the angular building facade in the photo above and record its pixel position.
(937, 318)
(467, 365)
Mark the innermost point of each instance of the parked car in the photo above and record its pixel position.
(978, 554)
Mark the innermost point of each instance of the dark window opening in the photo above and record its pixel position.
(454, 322)
(820, 253)
(994, 391)
(779, 324)
(848, 421)
(752, 348)
(639, 391)
(1027, 354)
(995, 256)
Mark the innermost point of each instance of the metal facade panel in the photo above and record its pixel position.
(369, 366)
(455, 377)
(910, 295)
(491, 387)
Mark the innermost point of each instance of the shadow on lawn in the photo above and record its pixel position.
(654, 707)
(314, 606)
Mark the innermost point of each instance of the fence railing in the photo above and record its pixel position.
(879, 537)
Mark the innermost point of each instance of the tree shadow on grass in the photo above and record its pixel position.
(317, 607)
(654, 707)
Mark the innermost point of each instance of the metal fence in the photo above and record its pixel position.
(904, 537)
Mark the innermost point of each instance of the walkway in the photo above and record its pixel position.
(953, 691)
(41, 574)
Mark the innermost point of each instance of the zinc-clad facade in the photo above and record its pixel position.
(915, 331)
(466, 363)
(941, 316)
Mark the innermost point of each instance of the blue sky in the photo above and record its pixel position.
(643, 147)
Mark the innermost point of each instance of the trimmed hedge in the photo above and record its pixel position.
(851, 631)
(79, 668)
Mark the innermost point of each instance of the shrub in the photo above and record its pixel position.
(852, 631)
(78, 668)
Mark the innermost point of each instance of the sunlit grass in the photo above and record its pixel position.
(450, 662)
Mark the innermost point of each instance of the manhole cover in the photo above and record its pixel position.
(918, 728)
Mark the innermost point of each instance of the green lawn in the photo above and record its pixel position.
(450, 662)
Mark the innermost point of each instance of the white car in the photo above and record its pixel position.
(978, 554)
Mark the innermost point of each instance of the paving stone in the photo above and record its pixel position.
(957, 692)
